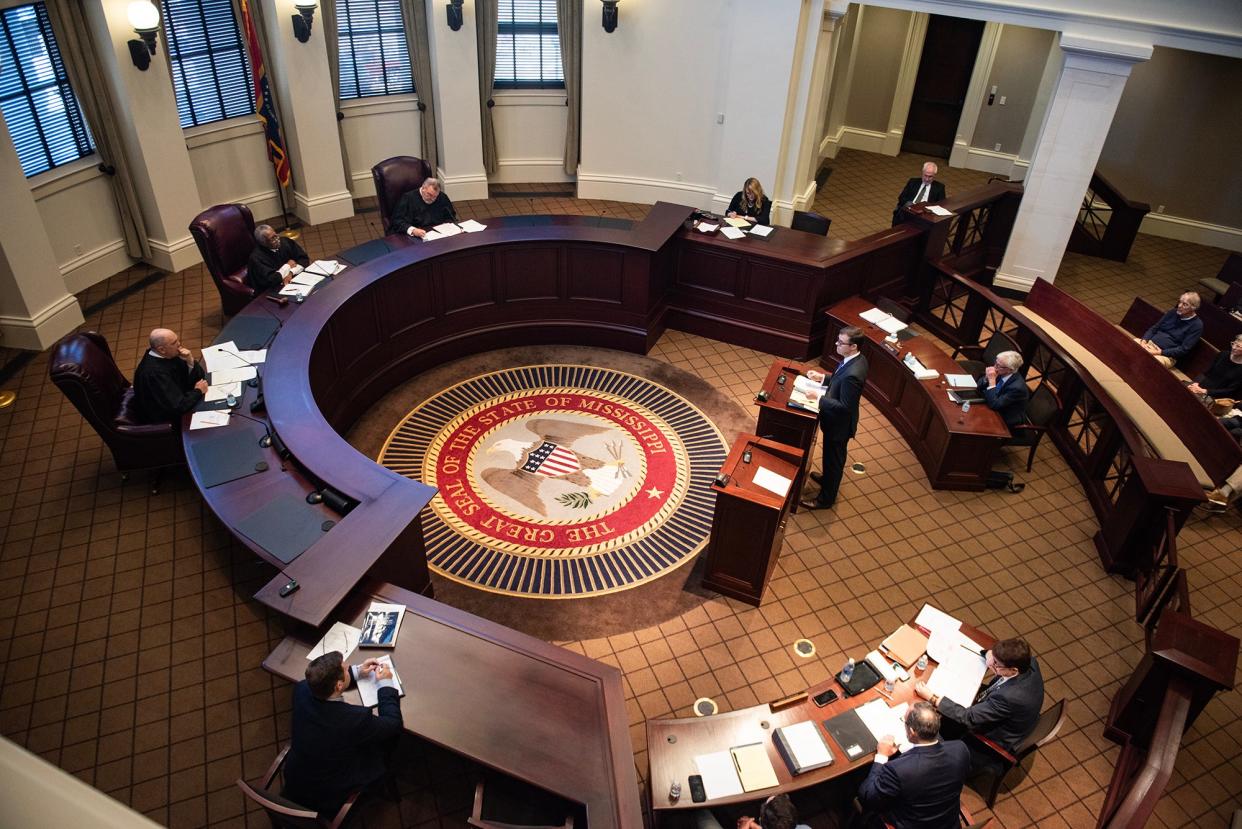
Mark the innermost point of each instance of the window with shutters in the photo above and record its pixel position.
(211, 75)
(528, 49)
(39, 107)
(374, 54)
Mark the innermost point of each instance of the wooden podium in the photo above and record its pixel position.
(790, 426)
(749, 524)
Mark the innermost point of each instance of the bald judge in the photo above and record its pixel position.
(168, 382)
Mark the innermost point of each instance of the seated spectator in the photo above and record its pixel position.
(1222, 382)
(420, 210)
(1004, 390)
(168, 381)
(276, 259)
(919, 191)
(1175, 333)
(750, 203)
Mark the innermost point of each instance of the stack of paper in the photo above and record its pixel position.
(960, 381)
(719, 774)
(368, 687)
(340, 637)
(805, 384)
(222, 391)
(958, 675)
(754, 768)
(883, 721)
(731, 232)
(471, 226)
(325, 267)
(704, 227)
(883, 320)
(447, 229)
(938, 210)
(735, 222)
(761, 230)
(255, 356)
(772, 481)
(308, 279)
(208, 420)
(296, 289)
(220, 377)
(222, 356)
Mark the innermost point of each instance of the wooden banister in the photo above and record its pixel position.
(1107, 221)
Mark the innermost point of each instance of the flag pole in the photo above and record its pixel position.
(291, 230)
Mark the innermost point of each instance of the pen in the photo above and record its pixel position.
(975, 651)
(886, 696)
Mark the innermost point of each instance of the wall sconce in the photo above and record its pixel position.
(145, 18)
(454, 14)
(610, 15)
(302, 21)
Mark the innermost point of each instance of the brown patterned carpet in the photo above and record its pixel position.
(130, 650)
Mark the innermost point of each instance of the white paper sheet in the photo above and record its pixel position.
(960, 381)
(932, 619)
(431, 236)
(340, 637)
(761, 230)
(222, 391)
(447, 229)
(308, 279)
(805, 384)
(958, 676)
(874, 315)
(325, 267)
(772, 481)
(233, 375)
(208, 420)
(883, 721)
(471, 226)
(294, 289)
(704, 227)
(254, 357)
(938, 210)
(719, 774)
(731, 233)
(886, 668)
(369, 690)
(222, 356)
(891, 325)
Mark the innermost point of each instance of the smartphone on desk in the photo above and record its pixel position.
(824, 698)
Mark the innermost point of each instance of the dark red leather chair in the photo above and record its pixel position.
(83, 368)
(394, 177)
(225, 237)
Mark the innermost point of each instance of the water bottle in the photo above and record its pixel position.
(966, 407)
(847, 671)
(231, 401)
(921, 665)
(674, 791)
(889, 684)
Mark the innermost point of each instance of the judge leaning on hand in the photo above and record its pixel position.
(168, 382)
(275, 260)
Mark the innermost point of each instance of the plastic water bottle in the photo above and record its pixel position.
(674, 791)
(921, 665)
(889, 684)
(965, 407)
(231, 401)
(847, 671)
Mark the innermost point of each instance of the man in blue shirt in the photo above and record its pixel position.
(1175, 333)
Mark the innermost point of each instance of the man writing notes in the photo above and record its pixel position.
(420, 210)
(919, 191)
(920, 788)
(1175, 333)
(336, 747)
(838, 414)
(168, 382)
(275, 260)
(1004, 390)
(1007, 709)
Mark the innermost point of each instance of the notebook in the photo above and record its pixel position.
(905, 645)
(754, 768)
(802, 747)
(852, 734)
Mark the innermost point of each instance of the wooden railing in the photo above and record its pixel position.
(1107, 222)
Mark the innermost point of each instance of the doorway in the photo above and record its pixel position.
(949, 52)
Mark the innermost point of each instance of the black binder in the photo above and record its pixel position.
(852, 734)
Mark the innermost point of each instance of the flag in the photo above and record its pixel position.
(263, 104)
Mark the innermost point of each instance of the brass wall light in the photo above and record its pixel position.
(145, 18)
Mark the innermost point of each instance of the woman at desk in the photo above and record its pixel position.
(750, 203)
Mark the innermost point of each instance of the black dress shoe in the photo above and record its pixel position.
(808, 504)
(817, 477)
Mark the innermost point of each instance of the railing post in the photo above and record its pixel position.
(1138, 514)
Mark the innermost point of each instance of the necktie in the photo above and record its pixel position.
(922, 196)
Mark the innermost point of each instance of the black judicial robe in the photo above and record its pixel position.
(263, 269)
(412, 211)
(164, 388)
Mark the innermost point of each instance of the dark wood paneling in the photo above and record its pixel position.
(706, 270)
(408, 301)
(360, 318)
(529, 273)
(783, 288)
(466, 281)
(596, 275)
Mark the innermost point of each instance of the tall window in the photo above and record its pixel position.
(211, 75)
(528, 49)
(42, 114)
(374, 54)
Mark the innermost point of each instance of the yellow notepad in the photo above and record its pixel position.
(754, 768)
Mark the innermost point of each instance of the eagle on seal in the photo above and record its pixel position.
(550, 456)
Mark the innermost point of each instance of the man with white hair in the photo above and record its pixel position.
(420, 210)
(1004, 390)
(276, 259)
(1175, 333)
(168, 382)
(919, 191)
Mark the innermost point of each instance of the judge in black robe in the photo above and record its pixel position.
(168, 382)
(272, 252)
(420, 210)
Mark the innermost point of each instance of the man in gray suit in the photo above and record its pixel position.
(1007, 709)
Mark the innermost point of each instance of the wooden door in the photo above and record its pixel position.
(949, 52)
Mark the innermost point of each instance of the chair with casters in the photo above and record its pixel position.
(810, 222)
(986, 356)
(284, 813)
(394, 177)
(1040, 411)
(82, 367)
(1046, 730)
(225, 237)
(501, 802)
(893, 308)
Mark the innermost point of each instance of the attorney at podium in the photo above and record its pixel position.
(838, 414)
(919, 191)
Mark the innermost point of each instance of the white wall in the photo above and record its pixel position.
(530, 135)
(378, 128)
(79, 211)
(231, 166)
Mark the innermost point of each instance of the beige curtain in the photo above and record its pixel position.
(86, 75)
(485, 21)
(569, 27)
(414, 13)
(332, 40)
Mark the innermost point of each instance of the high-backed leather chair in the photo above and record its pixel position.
(83, 368)
(394, 177)
(810, 222)
(225, 237)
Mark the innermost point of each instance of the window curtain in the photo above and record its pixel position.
(569, 27)
(414, 13)
(332, 41)
(86, 75)
(486, 14)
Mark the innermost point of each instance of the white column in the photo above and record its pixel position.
(303, 86)
(36, 309)
(912, 54)
(1079, 115)
(151, 132)
(459, 128)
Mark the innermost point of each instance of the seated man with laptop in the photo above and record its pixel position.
(1004, 390)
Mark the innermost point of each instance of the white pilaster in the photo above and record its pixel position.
(36, 309)
(459, 127)
(1079, 115)
(916, 34)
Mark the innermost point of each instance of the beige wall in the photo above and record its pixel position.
(1174, 139)
(1015, 73)
(880, 47)
(842, 77)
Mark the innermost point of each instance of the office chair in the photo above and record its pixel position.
(394, 177)
(810, 222)
(284, 813)
(82, 367)
(501, 801)
(893, 308)
(1230, 275)
(225, 237)
(998, 342)
(1046, 730)
(1040, 411)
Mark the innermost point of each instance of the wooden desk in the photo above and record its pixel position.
(672, 744)
(792, 427)
(531, 710)
(955, 449)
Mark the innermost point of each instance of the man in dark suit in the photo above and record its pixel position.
(838, 414)
(1004, 390)
(1007, 709)
(336, 747)
(919, 191)
(920, 788)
